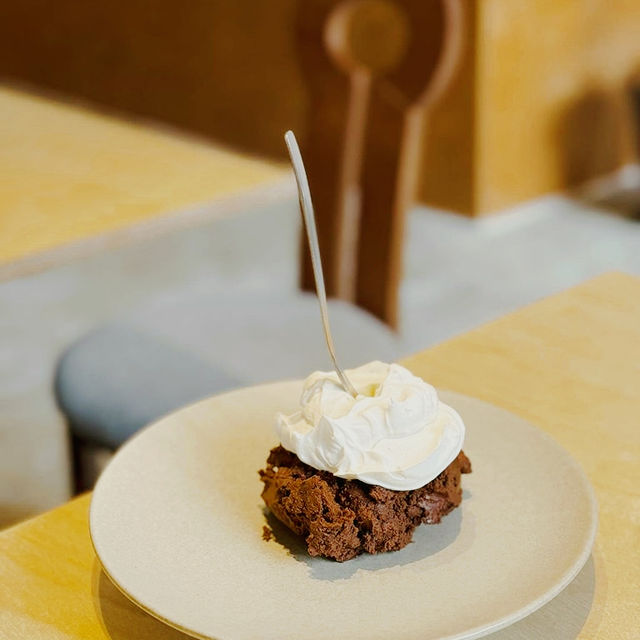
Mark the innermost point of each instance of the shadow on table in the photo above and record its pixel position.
(561, 618)
(11, 514)
(427, 541)
(123, 620)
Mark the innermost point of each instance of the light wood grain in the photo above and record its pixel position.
(568, 364)
(69, 173)
(571, 365)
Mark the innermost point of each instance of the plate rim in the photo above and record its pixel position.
(473, 633)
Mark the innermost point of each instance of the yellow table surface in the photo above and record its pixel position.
(570, 364)
(68, 173)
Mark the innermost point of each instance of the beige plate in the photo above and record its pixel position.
(176, 520)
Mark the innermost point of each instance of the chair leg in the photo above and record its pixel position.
(88, 460)
(77, 473)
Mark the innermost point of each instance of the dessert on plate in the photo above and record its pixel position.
(359, 474)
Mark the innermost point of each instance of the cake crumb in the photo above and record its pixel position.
(267, 534)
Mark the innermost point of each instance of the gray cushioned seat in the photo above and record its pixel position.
(117, 379)
(187, 345)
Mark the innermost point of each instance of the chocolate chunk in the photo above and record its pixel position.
(341, 519)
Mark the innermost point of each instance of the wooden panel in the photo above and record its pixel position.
(538, 104)
(550, 95)
(446, 176)
(221, 68)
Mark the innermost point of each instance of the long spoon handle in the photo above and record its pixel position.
(306, 207)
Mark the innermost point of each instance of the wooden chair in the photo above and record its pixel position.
(370, 70)
(373, 68)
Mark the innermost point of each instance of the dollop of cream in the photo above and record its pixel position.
(396, 433)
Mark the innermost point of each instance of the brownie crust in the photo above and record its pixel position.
(341, 519)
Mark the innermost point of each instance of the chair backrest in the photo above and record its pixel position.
(373, 68)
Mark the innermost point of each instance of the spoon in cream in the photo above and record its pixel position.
(306, 208)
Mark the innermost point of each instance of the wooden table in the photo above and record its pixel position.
(69, 174)
(570, 364)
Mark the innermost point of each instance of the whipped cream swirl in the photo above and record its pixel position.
(395, 433)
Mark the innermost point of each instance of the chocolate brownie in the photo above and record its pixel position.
(341, 519)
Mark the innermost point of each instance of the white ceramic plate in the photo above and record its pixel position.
(176, 520)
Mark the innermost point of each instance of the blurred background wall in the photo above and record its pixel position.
(229, 71)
